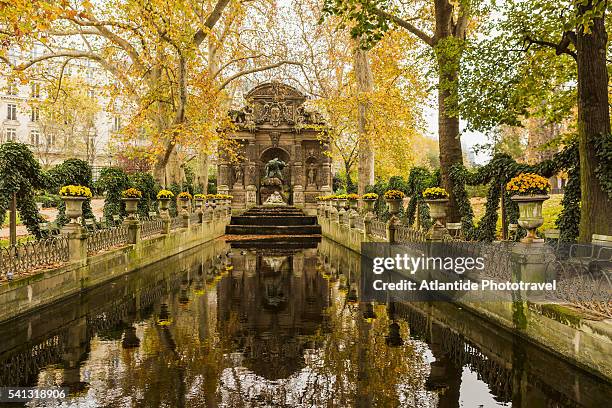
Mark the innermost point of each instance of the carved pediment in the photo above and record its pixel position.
(274, 104)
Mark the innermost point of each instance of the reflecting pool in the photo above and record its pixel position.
(276, 326)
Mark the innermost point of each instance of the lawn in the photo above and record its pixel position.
(551, 210)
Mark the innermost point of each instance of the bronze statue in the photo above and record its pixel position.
(274, 168)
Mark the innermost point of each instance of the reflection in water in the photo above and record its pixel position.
(275, 328)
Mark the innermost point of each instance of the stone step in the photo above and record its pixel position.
(273, 229)
(273, 220)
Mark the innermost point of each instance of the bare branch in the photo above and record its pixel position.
(561, 48)
(427, 39)
(254, 70)
(210, 22)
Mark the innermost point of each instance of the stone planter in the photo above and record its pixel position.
(164, 203)
(131, 207)
(198, 204)
(394, 206)
(341, 204)
(437, 210)
(530, 214)
(184, 204)
(74, 207)
(368, 204)
(353, 204)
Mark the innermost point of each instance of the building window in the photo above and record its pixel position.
(35, 115)
(34, 137)
(116, 123)
(51, 139)
(12, 88)
(35, 90)
(11, 111)
(11, 134)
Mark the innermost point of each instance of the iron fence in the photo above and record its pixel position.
(194, 218)
(107, 238)
(177, 222)
(379, 228)
(151, 227)
(358, 223)
(27, 256)
(405, 234)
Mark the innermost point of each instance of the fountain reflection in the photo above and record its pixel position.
(276, 326)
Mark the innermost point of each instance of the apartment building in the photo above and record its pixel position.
(21, 120)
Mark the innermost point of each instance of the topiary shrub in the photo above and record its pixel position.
(147, 185)
(112, 182)
(20, 174)
(72, 171)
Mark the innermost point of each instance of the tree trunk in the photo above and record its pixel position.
(447, 47)
(593, 123)
(449, 141)
(363, 73)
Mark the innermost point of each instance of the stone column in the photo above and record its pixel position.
(134, 227)
(223, 179)
(77, 242)
(529, 264)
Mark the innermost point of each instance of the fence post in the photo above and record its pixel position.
(392, 225)
(367, 225)
(134, 229)
(77, 242)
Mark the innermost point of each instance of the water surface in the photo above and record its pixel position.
(276, 327)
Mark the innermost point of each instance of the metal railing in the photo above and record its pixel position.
(17, 259)
(151, 227)
(176, 222)
(194, 218)
(107, 238)
(359, 224)
(379, 228)
(405, 234)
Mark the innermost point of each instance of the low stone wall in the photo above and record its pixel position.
(584, 340)
(51, 285)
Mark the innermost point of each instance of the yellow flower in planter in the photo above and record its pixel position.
(165, 194)
(185, 195)
(528, 184)
(200, 196)
(435, 193)
(353, 196)
(131, 193)
(369, 196)
(394, 195)
(75, 191)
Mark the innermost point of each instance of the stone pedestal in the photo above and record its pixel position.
(133, 230)
(251, 196)
(298, 196)
(77, 242)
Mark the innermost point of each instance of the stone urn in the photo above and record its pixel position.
(368, 204)
(199, 202)
(437, 210)
(164, 203)
(341, 204)
(353, 204)
(131, 207)
(184, 204)
(74, 207)
(394, 205)
(530, 214)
